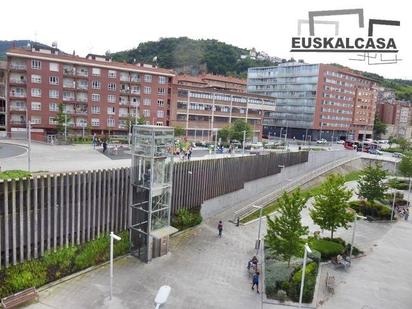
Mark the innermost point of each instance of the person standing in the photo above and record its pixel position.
(220, 228)
(255, 281)
(406, 214)
(104, 146)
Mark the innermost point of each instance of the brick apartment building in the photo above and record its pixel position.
(97, 93)
(396, 114)
(3, 97)
(315, 101)
(205, 103)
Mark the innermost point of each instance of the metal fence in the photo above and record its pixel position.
(46, 212)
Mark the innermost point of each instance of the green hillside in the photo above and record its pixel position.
(219, 57)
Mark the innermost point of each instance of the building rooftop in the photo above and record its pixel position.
(21, 52)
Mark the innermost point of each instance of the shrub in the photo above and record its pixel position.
(309, 286)
(327, 248)
(281, 295)
(59, 263)
(14, 174)
(23, 276)
(398, 184)
(277, 275)
(92, 253)
(121, 247)
(372, 210)
(185, 219)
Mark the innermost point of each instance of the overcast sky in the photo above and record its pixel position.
(268, 25)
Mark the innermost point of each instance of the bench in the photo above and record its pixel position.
(343, 264)
(19, 298)
(330, 283)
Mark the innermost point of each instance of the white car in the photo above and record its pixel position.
(341, 141)
(321, 141)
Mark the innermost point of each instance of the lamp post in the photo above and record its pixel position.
(215, 140)
(257, 244)
(243, 144)
(29, 144)
(353, 235)
(393, 204)
(112, 236)
(302, 282)
(162, 295)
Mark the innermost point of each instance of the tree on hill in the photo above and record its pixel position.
(285, 231)
(331, 203)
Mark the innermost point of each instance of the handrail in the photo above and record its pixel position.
(269, 198)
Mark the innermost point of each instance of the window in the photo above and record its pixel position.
(111, 98)
(147, 90)
(110, 110)
(53, 80)
(112, 74)
(96, 84)
(53, 107)
(95, 97)
(161, 91)
(95, 71)
(36, 64)
(159, 123)
(111, 86)
(147, 101)
(148, 78)
(53, 93)
(35, 106)
(52, 120)
(35, 79)
(160, 114)
(110, 122)
(146, 113)
(134, 101)
(162, 79)
(160, 103)
(54, 67)
(35, 92)
(95, 122)
(35, 119)
(95, 109)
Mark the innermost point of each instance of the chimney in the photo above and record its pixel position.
(74, 52)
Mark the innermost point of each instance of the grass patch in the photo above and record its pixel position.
(327, 248)
(266, 211)
(352, 176)
(14, 174)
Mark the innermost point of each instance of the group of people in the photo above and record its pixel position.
(184, 154)
(403, 212)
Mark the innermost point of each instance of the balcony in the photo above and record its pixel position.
(123, 115)
(81, 99)
(68, 99)
(82, 73)
(17, 81)
(82, 87)
(135, 80)
(133, 91)
(80, 112)
(124, 91)
(68, 71)
(17, 66)
(124, 78)
(16, 94)
(16, 108)
(18, 122)
(71, 85)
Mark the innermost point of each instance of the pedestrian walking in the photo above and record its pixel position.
(255, 281)
(104, 146)
(189, 153)
(406, 214)
(220, 228)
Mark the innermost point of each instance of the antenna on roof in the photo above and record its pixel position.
(54, 44)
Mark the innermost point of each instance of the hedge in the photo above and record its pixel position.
(277, 274)
(327, 248)
(57, 264)
(185, 219)
(309, 286)
(372, 210)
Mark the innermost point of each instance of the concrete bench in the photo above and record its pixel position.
(19, 298)
(330, 283)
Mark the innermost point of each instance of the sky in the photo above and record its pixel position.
(91, 26)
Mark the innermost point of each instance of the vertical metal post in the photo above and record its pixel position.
(29, 149)
(393, 205)
(65, 128)
(353, 239)
(243, 144)
(260, 225)
(302, 282)
(111, 265)
(409, 192)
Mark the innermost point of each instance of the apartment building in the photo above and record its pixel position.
(202, 109)
(96, 92)
(316, 101)
(3, 98)
(396, 114)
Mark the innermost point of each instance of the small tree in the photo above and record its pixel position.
(403, 143)
(237, 128)
(62, 118)
(405, 167)
(285, 232)
(331, 202)
(379, 127)
(179, 131)
(370, 185)
(224, 133)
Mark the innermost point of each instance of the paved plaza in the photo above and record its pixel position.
(207, 272)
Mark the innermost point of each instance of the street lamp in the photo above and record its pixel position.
(302, 282)
(257, 245)
(162, 295)
(243, 144)
(112, 236)
(29, 145)
(353, 235)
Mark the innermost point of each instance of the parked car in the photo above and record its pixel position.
(375, 152)
(321, 141)
(397, 155)
(341, 141)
